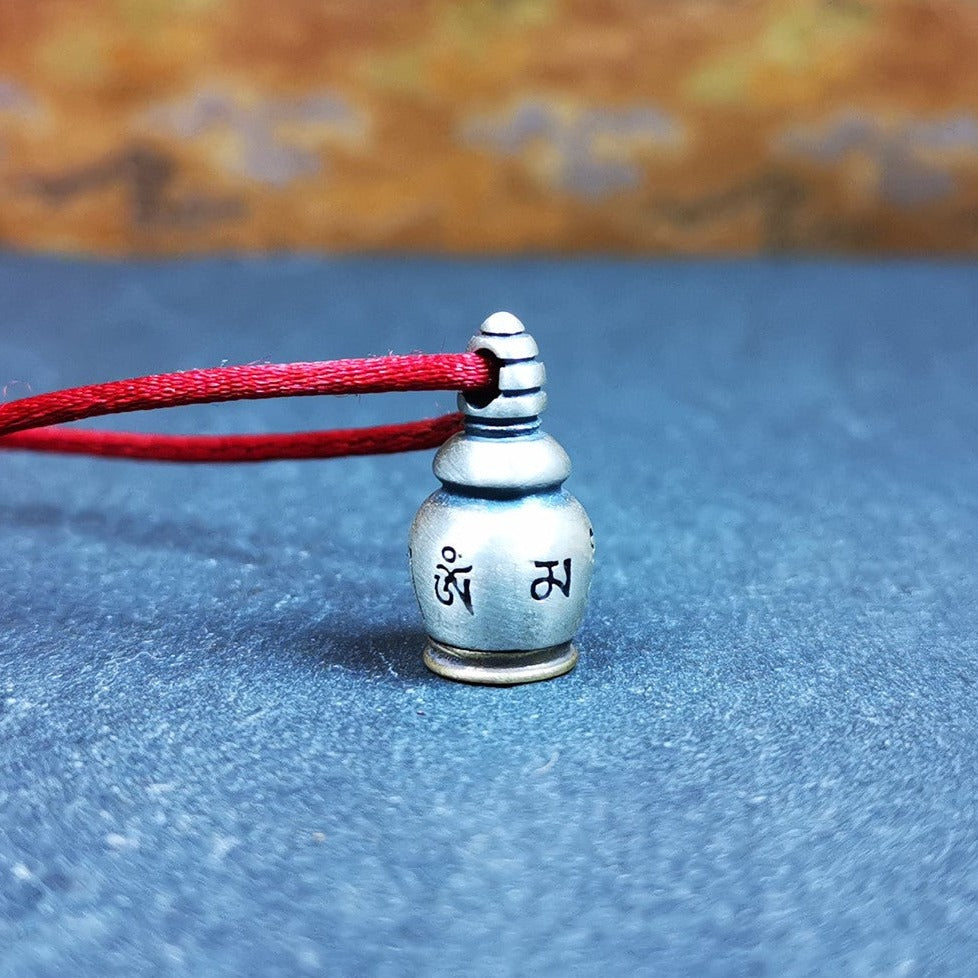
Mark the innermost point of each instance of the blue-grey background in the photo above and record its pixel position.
(220, 753)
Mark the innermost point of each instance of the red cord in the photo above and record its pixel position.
(453, 371)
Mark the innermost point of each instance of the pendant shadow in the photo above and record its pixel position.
(133, 529)
(389, 653)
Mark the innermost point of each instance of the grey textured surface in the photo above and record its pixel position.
(219, 751)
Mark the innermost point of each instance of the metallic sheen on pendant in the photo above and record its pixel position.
(501, 555)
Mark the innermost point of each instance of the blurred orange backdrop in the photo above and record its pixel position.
(175, 126)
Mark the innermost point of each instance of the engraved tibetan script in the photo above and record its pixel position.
(543, 587)
(453, 581)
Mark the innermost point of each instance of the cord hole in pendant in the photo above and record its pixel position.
(484, 396)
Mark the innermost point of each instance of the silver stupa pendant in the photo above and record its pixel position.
(501, 555)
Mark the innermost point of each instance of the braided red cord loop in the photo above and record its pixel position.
(417, 372)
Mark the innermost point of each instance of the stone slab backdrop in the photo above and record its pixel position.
(183, 126)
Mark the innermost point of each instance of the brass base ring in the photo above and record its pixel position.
(499, 668)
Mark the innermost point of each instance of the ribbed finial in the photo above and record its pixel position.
(517, 407)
